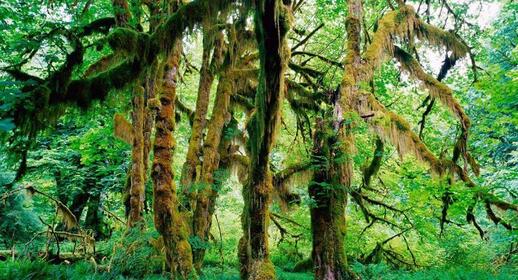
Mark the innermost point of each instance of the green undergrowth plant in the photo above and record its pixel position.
(137, 254)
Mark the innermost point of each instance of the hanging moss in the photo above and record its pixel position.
(437, 36)
(122, 128)
(437, 89)
(405, 24)
(396, 130)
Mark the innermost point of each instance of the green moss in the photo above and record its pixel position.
(124, 39)
(262, 270)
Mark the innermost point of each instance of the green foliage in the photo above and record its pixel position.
(24, 269)
(134, 256)
(382, 271)
(18, 223)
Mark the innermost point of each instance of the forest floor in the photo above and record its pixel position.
(22, 269)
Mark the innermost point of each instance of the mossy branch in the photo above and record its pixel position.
(59, 91)
(393, 128)
(405, 24)
(437, 89)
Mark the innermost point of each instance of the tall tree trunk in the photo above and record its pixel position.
(272, 22)
(194, 151)
(136, 192)
(149, 121)
(333, 179)
(328, 226)
(168, 221)
(205, 200)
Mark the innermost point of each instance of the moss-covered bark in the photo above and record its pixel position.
(328, 225)
(205, 200)
(333, 150)
(207, 72)
(121, 12)
(136, 191)
(272, 22)
(149, 121)
(94, 216)
(168, 222)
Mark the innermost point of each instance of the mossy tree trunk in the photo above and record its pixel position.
(272, 22)
(94, 216)
(149, 121)
(136, 191)
(205, 200)
(79, 202)
(194, 150)
(328, 225)
(134, 196)
(334, 147)
(121, 12)
(168, 221)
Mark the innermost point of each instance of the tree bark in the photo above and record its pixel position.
(168, 221)
(272, 22)
(205, 200)
(121, 12)
(194, 151)
(328, 226)
(149, 121)
(136, 192)
(94, 217)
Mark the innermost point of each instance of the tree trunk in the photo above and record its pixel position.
(79, 203)
(328, 226)
(192, 160)
(272, 22)
(168, 222)
(334, 144)
(121, 12)
(136, 192)
(149, 121)
(205, 200)
(94, 217)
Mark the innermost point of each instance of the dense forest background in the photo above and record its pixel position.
(309, 139)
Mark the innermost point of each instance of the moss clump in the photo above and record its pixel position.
(262, 270)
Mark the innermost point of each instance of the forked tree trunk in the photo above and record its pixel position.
(205, 200)
(194, 150)
(272, 22)
(328, 226)
(168, 221)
